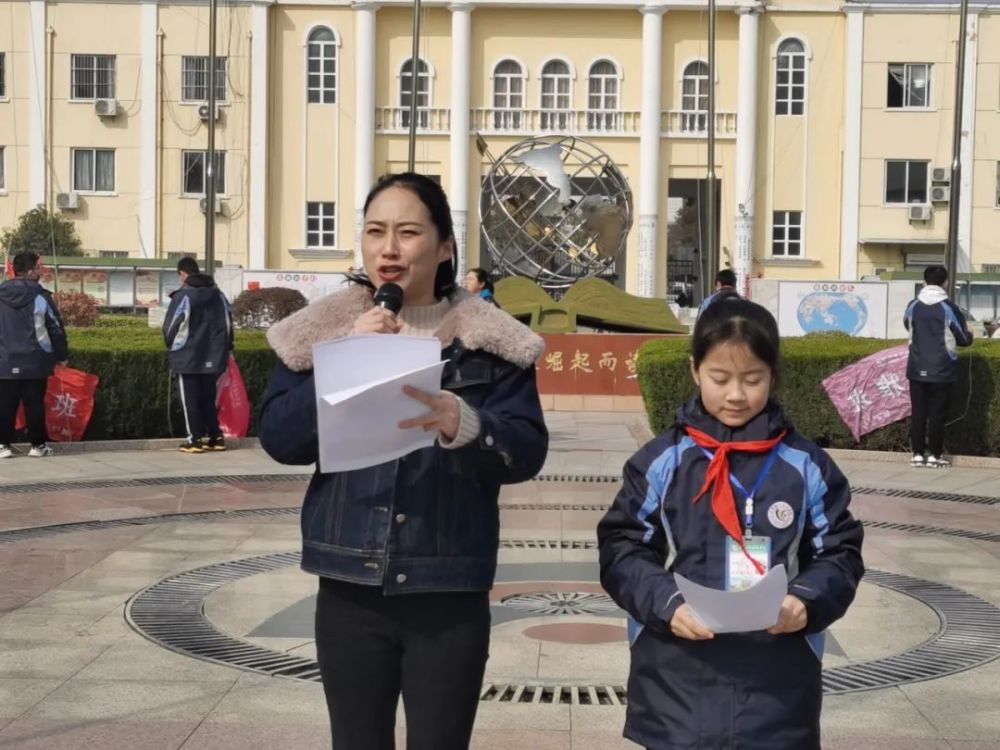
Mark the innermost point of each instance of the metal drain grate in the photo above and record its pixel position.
(171, 613)
(548, 544)
(949, 497)
(916, 528)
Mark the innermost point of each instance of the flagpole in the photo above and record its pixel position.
(710, 246)
(951, 252)
(414, 62)
(210, 152)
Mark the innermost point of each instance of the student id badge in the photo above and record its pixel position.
(740, 572)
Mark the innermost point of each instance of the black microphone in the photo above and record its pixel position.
(390, 296)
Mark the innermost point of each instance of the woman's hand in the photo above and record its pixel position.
(792, 618)
(443, 416)
(376, 320)
(685, 625)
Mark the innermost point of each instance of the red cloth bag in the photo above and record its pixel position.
(232, 402)
(69, 404)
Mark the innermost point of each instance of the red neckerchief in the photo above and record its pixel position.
(717, 478)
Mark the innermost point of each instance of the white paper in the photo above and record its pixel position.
(755, 608)
(360, 399)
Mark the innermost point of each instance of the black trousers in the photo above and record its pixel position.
(929, 402)
(431, 648)
(32, 394)
(201, 415)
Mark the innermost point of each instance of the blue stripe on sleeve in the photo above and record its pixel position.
(815, 491)
(658, 477)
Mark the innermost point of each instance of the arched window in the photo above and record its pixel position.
(508, 95)
(694, 98)
(790, 79)
(322, 71)
(602, 96)
(556, 96)
(423, 92)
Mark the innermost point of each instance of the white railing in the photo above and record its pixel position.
(492, 121)
(397, 120)
(676, 123)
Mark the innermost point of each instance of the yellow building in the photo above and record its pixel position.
(833, 122)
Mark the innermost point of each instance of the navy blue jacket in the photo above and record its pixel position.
(428, 521)
(725, 292)
(936, 327)
(752, 691)
(32, 336)
(198, 328)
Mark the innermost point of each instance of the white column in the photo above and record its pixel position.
(963, 263)
(37, 98)
(649, 147)
(364, 116)
(148, 115)
(850, 196)
(461, 52)
(746, 144)
(257, 228)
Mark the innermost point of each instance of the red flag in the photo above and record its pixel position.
(873, 392)
(69, 404)
(8, 267)
(231, 399)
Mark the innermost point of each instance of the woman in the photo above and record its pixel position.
(406, 551)
(477, 281)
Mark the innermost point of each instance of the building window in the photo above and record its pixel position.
(113, 254)
(322, 74)
(93, 170)
(179, 255)
(786, 234)
(321, 224)
(194, 78)
(790, 92)
(602, 96)
(423, 92)
(92, 76)
(556, 96)
(3, 76)
(3, 177)
(909, 86)
(694, 98)
(193, 167)
(508, 95)
(906, 181)
(998, 178)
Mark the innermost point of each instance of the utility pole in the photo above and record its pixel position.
(414, 62)
(951, 252)
(210, 154)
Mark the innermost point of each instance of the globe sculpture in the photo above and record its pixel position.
(554, 210)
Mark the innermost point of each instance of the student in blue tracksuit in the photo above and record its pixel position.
(936, 327)
(729, 491)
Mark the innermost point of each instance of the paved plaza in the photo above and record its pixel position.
(152, 599)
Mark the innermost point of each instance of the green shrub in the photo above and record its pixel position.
(665, 381)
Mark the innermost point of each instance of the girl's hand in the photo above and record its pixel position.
(443, 416)
(685, 625)
(792, 618)
(376, 320)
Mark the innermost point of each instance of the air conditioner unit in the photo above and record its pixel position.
(106, 107)
(920, 212)
(203, 112)
(68, 201)
(941, 174)
(203, 204)
(940, 194)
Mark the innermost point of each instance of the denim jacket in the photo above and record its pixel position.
(428, 521)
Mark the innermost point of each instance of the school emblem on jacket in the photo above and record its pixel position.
(781, 515)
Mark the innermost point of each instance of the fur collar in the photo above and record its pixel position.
(476, 323)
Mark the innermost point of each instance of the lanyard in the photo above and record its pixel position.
(748, 505)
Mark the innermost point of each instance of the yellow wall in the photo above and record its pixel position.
(14, 113)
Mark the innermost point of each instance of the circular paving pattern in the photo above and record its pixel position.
(562, 603)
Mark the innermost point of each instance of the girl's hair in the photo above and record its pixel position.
(484, 278)
(739, 320)
(434, 199)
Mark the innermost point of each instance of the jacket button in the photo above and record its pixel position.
(489, 441)
(400, 518)
(401, 578)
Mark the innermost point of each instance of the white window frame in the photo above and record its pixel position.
(77, 67)
(509, 117)
(907, 201)
(322, 45)
(221, 69)
(320, 232)
(112, 253)
(604, 118)
(907, 72)
(793, 58)
(204, 178)
(695, 119)
(426, 75)
(556, 117)
(3, 77)
(93, 151)
(786, 224)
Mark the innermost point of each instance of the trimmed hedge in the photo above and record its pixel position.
(137, 398)
(665, 382)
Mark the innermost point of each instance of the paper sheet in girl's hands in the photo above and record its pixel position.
(755, 608)
(360, 400)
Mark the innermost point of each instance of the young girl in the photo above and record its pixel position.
(726, 493)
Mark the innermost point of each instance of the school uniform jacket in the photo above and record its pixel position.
(744, 691)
